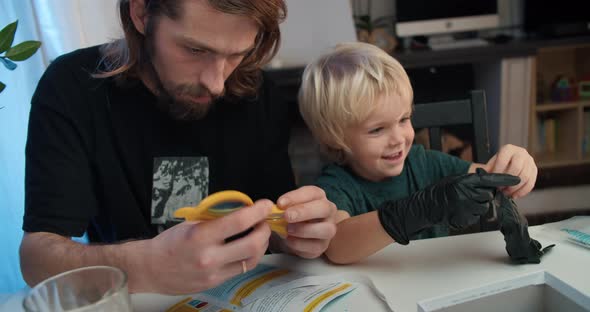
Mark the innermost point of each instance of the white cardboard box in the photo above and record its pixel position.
(539, 291)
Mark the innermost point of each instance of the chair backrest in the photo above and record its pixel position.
(470, 111)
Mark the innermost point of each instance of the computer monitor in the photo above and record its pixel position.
(427, 17)
(550, 18)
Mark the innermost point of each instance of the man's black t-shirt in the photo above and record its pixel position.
(103, 158)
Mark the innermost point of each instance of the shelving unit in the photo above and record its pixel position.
(507, 72)
(559, 129)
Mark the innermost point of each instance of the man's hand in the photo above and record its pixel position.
(518, 162)
(311, 218)
(192, 257)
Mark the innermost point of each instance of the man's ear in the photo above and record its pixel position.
(138, 14)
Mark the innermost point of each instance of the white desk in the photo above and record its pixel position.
(429, 268)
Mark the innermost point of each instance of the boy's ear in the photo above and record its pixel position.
(333, 147)
(137, 13)
(337, 153)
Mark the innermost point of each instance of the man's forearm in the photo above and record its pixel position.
(45, 254)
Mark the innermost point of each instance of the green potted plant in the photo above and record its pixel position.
(373, 31)
(376, 31)
(9, 53)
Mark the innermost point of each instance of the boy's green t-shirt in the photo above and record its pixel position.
(422, 168)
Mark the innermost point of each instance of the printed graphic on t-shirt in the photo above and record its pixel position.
(177, 182)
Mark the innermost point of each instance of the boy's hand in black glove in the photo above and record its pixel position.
(520, 246)
(457, 200)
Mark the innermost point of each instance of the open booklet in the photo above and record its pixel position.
(268, 288)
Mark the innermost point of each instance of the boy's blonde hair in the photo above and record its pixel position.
(340, 89)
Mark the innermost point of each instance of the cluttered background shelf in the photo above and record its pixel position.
(560, 107)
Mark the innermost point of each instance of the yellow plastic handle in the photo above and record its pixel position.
(206, 210)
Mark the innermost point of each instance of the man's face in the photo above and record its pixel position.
(380, 144)
(194, 55)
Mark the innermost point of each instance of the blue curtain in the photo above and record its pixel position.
(61, 28)
(15, 103)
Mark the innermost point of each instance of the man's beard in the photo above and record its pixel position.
(173, 98)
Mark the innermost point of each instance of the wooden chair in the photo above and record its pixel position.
(471, 112)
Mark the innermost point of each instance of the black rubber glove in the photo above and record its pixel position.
(520, 246)
(457, 200)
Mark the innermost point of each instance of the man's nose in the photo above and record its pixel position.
(212, 76)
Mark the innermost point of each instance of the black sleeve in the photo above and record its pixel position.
(59, 196)
(277, 174)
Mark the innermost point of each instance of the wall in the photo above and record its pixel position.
(311, 28)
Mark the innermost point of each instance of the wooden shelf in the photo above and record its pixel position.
(569, 123)
(556, 159)
(546, 107)
(572, 174)
(551, 163)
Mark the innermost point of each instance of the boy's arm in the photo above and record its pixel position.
(341, 215)
(348, 246)
(458, 200)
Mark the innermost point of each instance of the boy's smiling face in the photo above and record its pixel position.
(380, 144)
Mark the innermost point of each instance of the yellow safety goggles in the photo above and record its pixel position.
(215, 206)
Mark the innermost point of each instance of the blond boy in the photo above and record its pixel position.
(357, 102)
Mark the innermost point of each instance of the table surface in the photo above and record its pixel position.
(424, 269)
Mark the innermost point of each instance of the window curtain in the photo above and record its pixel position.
(62, 26)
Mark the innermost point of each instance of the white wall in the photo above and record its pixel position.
(311, 28)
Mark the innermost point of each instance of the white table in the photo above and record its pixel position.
(429, 268)
(425, 269)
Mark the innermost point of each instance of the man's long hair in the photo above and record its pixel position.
(126, 58)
